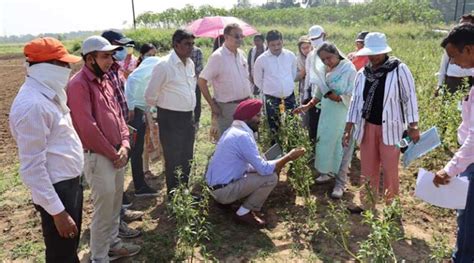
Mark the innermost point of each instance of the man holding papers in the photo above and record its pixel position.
(459, 45)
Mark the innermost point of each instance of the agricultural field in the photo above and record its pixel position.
(305, 224)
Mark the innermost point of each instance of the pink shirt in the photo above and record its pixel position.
(96, 114)
(229, 75)
(465, 155)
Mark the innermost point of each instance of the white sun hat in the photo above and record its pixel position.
(375, 44)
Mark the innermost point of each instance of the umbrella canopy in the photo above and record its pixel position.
(213, 26)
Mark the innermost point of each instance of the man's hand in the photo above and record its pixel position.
(296, 153)
(123, 158)
(441, 178)
(334, 97)
(215, 108)
(65, 225)
(302, 109)
(414, 133)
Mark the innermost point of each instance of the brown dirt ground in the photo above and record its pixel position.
(283, 242)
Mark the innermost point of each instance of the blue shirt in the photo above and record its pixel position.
(236, 153)
(137, 83)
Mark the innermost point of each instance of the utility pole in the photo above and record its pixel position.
(133, 11)
(455, 11)
(464, 7)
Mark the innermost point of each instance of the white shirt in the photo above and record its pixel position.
(172, 85)
(228, 74)
(452, 70)
(392, 120)
(49, 148)
(275, 75)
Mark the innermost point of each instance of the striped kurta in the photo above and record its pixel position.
(392, 121)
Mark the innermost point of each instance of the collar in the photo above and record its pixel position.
(226, 51)
(243, 126)
(176, 60)
(91, 76)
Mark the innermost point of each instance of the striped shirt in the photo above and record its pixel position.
(392, 121)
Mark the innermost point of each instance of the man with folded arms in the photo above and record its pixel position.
(275, 73)
(50, 152)
(228, 72)
(238, 171)
(101, 126)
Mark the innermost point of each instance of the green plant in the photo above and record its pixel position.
(337, 227)
(384, 231)
(192, 226)
(440, 249)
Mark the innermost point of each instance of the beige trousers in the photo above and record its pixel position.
(106, 185)
(254, 187)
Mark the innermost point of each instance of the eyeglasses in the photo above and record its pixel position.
(237, 36)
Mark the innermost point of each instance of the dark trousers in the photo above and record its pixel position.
(177, 141)
(273, 111)
(136, 158)
(197, 109)
(464, 251)
(60, 249)
(313, 120)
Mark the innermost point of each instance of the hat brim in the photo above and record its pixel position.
(125, 41)
(68, 58)
(371, 51)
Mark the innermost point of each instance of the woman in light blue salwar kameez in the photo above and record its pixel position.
(334, 82)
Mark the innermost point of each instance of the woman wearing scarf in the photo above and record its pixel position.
(383, 106)
(335, 85)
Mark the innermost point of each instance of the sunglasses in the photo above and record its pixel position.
(237, 36)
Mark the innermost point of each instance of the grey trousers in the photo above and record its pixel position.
(106, 185)
(224, 121)
(254, 187)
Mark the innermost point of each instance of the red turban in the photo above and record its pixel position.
(247, 109)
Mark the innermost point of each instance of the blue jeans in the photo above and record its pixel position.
(464, 251)
(273, 111)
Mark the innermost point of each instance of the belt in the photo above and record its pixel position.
(117, 147)
(237, 101)
(273, 97)
(217, 186)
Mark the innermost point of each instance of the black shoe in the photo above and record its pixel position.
(355, 210)
(146, 191)
(126, 203)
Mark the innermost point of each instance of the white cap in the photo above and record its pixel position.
(375, 44)
(315, 31)
(97, 43)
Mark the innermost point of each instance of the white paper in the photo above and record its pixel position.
(428, 141)
(452, 195)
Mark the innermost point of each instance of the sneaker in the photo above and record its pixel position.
(131, 215)
(127, 232)
(127, 250)
(146, 191)
(337, 192)
(323, 178)
(126, 203)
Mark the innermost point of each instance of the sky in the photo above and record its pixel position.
(20, 17)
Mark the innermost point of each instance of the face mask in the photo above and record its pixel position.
(54, 77)
(97, 70)
(120, 54)
(317, 42)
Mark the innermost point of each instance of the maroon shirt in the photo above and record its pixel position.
(96, 114)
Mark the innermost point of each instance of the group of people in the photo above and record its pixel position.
(93, 123)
